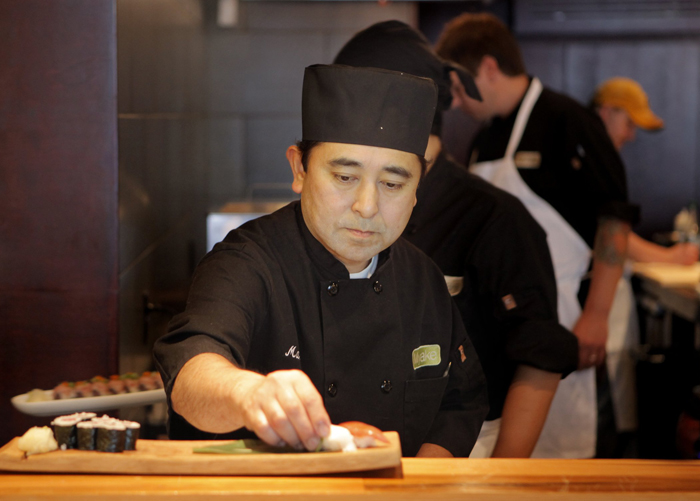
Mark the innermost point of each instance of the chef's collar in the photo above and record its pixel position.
(367, 106)
(324, 261)
(367, 272)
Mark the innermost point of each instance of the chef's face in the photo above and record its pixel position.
(356, 200)
(619, 125)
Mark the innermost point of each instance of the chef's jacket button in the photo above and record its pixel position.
(386, 386)
(332, 390)
(377, 287)
(333, 289)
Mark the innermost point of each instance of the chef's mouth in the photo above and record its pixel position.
(361, 233)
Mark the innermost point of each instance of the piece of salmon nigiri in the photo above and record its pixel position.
(364, 435)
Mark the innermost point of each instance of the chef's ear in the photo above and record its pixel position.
(489, 66)
(294, 159)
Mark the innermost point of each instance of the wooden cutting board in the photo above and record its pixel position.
(166, 457)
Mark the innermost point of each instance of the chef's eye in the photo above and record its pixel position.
(393, 186)
(343, 178)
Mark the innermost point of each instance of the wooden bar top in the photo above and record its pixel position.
(473, 479)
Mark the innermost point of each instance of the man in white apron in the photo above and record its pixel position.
(555, 156)
(623, 106)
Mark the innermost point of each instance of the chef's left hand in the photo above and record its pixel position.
(592, 333)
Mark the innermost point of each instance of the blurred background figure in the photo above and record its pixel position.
(555, 156)
(623, 106)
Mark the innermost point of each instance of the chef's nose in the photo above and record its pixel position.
(366, 200)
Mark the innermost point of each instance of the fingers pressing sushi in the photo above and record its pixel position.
(284, 407)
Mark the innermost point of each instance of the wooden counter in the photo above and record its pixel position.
(473, 479)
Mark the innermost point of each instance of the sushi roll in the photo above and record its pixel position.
(147, 381)
(157, 378)
(63, 391)
(110, 436)
(82, 389)
(116, 385)
(131, 381)
(64, 428)
(132, 435)
(85, 432)
(99, 386)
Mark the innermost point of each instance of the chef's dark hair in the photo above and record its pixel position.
(469, 37)
(306, 145)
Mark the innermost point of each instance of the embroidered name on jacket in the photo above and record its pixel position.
(426, 356)
(292, 352)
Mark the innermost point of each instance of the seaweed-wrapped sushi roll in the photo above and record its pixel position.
(65, 431)
(110, 436)
(86, 434)
(132, 435)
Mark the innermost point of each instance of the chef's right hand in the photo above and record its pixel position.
(592, 333)
(284, 407)
(684, 253)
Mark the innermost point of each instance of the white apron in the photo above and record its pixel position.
(620, 354)
(570, 428)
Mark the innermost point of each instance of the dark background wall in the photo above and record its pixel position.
(58, 197)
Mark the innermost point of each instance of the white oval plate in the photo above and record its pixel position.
(86, 404)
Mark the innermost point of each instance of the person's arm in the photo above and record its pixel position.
(214, 395)
(609, 254)
(433, 451)
(644, 251)
(525, 411)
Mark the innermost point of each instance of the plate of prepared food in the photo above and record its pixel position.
(96, 394)
(87, 443)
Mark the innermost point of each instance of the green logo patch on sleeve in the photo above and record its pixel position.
(426, 356)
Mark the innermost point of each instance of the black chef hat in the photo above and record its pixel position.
(367, 106)
(394, 45)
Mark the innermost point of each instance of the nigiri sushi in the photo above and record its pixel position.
(364, 435)
(352, 435)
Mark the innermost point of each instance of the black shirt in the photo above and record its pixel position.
(508, 301)
(580, 174)
(271, 297)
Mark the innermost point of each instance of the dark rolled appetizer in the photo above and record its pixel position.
(132, 435)
(64, 428)
(86, 432)
(110, 436)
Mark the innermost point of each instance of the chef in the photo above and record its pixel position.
(554, 155)
(623, 106)
(319, 312)
(494, 257)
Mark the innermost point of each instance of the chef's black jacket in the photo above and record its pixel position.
(508, 301)
(271, 297)
(580, 173)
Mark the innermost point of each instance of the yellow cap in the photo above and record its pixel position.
(628, 95)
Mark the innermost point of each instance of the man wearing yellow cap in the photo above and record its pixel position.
(623, 106)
